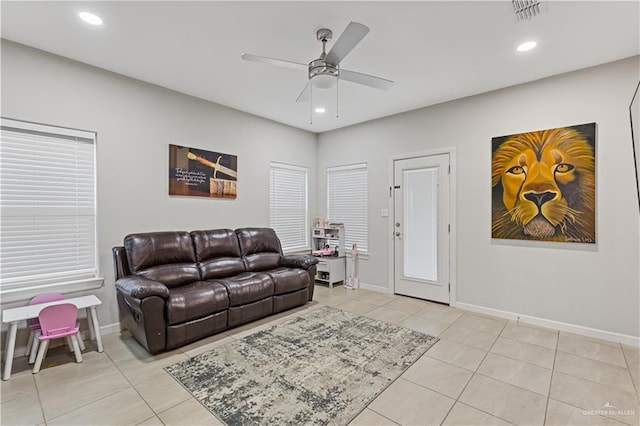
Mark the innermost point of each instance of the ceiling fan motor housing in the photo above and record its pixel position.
(320, 67)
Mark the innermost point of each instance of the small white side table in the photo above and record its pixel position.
(331, 270)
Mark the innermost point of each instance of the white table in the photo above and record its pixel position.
(13, 316)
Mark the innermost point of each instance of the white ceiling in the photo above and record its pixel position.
(434, 51)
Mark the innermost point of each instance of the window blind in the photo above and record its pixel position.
(288, 206)
(347, 202)
(47, 202)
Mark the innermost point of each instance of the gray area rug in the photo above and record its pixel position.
(319, 368)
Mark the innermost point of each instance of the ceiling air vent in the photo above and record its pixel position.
(526, 9)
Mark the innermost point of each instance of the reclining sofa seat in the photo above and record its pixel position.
(177, 287)
(261, 251)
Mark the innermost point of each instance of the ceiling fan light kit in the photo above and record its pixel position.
(324, 72)
(320, 68)
(323, 81)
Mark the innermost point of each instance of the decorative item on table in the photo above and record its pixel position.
(321, 222)
(326, 251)
(353, 281)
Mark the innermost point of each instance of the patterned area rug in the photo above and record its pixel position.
(320, 368)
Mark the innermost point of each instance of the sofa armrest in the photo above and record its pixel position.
(298, 261)
(306, 262)
(141, 287)
(144, 318)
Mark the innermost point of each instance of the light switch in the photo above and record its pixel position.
(384, 212)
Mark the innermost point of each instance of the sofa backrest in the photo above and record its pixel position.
(217, 253)
(260, 248)
(167, 257)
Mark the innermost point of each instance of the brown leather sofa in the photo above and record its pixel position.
(177, 287)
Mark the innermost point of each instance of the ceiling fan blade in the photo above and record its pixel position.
(272, 61)
(366, 79)
(352, 35)
(305, 94)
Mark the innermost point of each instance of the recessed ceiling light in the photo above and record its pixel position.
(90, 18)
(320, 110)
(528, 45)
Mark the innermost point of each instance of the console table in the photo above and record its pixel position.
(13, 316)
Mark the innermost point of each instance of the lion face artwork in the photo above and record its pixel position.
(543, 185)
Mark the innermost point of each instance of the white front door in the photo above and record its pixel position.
(421, 227)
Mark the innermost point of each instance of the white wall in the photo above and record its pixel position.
(592, 287)
(135, 123)
(589, 286)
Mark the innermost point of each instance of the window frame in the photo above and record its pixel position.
(25, 289)
(306, 230)
(363, 245)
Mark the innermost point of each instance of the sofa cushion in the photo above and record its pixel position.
(260, 248)
(217, 253)
(166, 257)
(195, 300)
(286, 280)
(247, 287)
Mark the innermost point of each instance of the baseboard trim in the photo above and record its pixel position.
(562, 326)
(377, 288)
(110, 328)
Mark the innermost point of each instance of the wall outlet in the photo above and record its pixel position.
(384, 213)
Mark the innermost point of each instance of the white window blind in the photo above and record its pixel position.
(288, 206)
(347, 202)
(48, 207)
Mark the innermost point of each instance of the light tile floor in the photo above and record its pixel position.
(483, 371)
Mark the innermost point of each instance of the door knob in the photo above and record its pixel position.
(397, 234)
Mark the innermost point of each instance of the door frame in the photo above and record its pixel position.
(452, 215)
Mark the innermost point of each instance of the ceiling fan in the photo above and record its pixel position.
(325, 71)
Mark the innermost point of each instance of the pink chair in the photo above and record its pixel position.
(57, 321)
(34, 324)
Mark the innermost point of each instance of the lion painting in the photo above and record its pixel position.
(544, 185)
